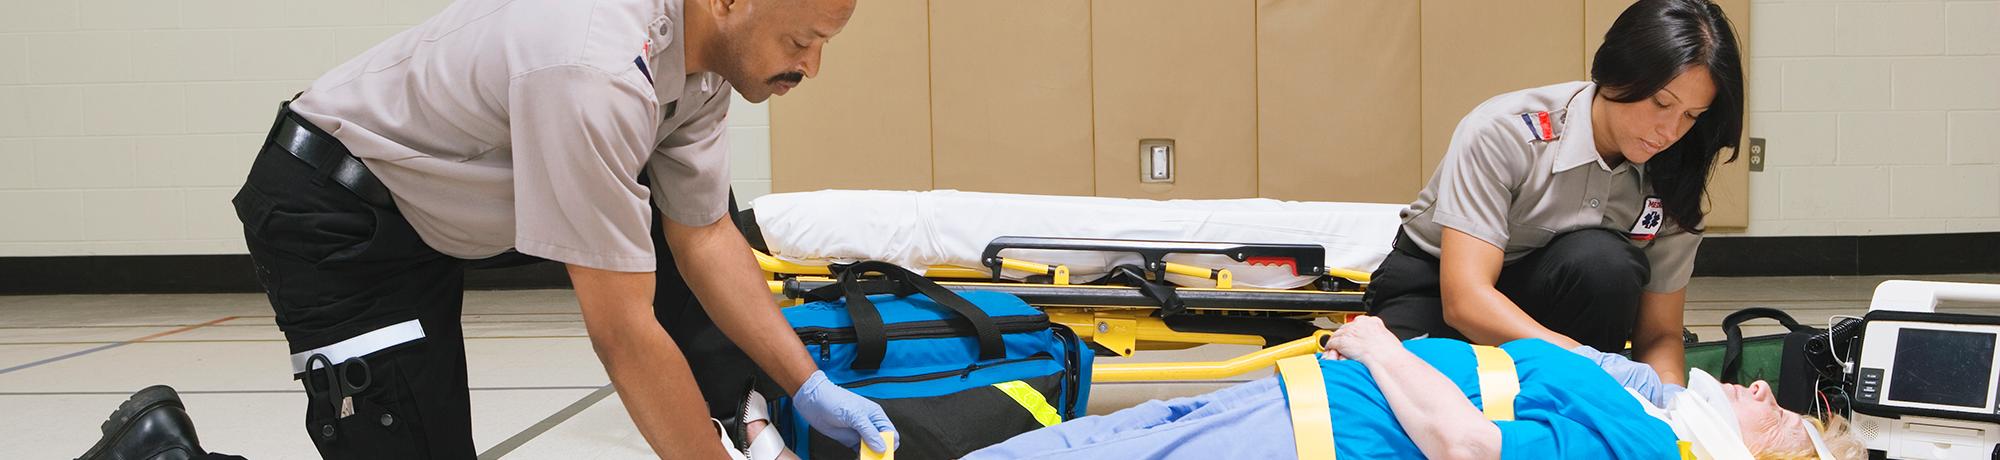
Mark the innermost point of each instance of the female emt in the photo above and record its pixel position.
(1571, 212)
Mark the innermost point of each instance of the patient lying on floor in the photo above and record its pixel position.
(1422, 398)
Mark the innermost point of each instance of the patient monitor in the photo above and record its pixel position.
(1926, 385)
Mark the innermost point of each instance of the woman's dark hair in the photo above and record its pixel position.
(1652, 42)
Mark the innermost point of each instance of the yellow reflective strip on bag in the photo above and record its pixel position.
(1312, 418)
(1498, 383)
(1031, 400)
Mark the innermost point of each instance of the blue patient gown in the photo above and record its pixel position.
(1567, 409)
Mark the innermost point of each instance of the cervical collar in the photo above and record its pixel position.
(1710, 390)
(1703, 417)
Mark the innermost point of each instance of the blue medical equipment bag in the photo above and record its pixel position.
(955, 371)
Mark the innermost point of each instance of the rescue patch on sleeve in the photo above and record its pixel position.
(1539, 126)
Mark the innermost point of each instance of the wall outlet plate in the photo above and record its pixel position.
(1756, 154)
(1156, 160)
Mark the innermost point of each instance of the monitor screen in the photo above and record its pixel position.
(1942, 367)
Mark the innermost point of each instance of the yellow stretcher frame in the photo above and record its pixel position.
(1126, 329)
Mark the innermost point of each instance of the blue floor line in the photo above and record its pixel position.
(66, 356)
(116, 345)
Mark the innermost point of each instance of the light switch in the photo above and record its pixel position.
(1160, 162)
(1156, 160)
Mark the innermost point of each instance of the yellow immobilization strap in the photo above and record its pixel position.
(869, 453)
(1498, 383)
(1031, 400)
(1305, 391)
(1687, 450)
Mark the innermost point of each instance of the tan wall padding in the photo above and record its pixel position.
(1292, 99)
(1597, 18)
(1010, 96)
(864, 122)
(1338, 100)
(1476, 49)
(1179, 69)
(1729, 188)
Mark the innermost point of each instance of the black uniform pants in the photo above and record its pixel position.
(335, 266)
(1585, 284)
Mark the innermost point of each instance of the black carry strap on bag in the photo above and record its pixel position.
(872, 341)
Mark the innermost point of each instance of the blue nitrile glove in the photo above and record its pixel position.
(1638, 376)
(841, 414)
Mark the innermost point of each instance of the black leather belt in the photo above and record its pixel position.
(1409, 247)
(301, 139)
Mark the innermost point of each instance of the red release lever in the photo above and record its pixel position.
(1271, 260)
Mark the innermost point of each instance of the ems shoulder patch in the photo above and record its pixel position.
(1539, 126)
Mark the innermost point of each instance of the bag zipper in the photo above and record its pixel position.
(819, 337)
(921, 330)
(1072, 368)
(961, 373)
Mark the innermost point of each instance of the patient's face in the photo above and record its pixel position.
(1766, 427)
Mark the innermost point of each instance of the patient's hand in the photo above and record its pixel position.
(1362, 339)
(1440, 427)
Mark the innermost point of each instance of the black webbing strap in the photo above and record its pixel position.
(871, 339)
(1732, 330)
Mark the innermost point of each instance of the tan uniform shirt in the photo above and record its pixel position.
(524, 124)
(1501, 183)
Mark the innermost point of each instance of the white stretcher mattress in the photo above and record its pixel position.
(947, 227)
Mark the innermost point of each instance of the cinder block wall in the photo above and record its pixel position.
(1883, 117)
(126, 125)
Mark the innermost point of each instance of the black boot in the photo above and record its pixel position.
(152, 425)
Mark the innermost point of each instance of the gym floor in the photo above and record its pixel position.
(537, 389)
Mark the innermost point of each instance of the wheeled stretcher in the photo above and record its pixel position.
(1127, 275)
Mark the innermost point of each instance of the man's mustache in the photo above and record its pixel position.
(789, 77)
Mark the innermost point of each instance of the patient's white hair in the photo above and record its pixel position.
(1839, 441)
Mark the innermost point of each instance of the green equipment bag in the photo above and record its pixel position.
(1798, 364)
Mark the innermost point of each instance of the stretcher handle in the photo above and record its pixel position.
(1305, 259)
(1924, 296)
(872, 340)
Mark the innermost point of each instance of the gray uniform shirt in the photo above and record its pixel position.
(1501, 182)
(524, 124)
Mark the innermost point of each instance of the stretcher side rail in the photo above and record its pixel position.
(1305, 259)
(1086, 296)
(1205, 370)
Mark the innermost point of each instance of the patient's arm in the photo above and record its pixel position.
(1443, 428)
